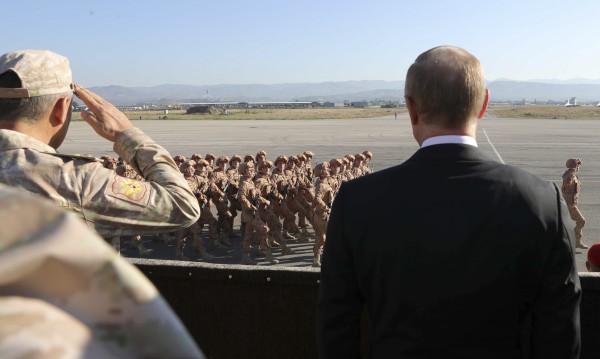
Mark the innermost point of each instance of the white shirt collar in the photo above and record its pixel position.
(438, 140)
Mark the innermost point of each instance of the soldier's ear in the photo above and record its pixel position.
(61, 111)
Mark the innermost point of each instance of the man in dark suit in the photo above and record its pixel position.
(469, 258)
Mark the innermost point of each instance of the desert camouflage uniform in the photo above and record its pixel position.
(266, 187)
(255, 230)
(368, 156)
(322, 208)
(284, 187)
(570, 191)
(65, 294)
(220, 186)
(113, 205)
(291, 198)
(232, 190)
(207, 218)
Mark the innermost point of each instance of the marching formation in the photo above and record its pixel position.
(276, 200)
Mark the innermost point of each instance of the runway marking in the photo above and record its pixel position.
(493, 147)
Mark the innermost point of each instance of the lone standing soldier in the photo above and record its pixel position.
(570, 191)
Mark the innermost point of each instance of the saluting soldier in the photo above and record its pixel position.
(255, 229)
(570, 190)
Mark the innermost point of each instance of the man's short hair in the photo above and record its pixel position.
(446, 84)
(26, 108)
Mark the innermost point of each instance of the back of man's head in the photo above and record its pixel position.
(593, 258)
(30, 83)
(447, 86)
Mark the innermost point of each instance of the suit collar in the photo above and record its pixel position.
(449, 151)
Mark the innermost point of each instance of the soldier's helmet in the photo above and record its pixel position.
(189, 163)
(209, 156)
(368, 154)
(283, 159)
(267, 164)
(222, 159)
(301, 158)
(573, 162)
(244, 167)
(196, 157)
(179, 158)
(293, 159)
(360, 157)
(322, 169)
(201, 163)
(261, 153)
(309, 154)
(336, 162)
(350, 157)
(235, 158)
(248, 158)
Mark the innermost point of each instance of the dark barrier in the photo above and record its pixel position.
(269, 312)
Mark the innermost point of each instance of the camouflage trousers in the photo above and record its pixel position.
(289, 219)
(578, 218)
(255, 231)
(224, 216)
(194, 230)
(206, 217)
(308, 212)
(320, 227)
(268, 216)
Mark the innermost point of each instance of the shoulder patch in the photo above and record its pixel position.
(129, 188)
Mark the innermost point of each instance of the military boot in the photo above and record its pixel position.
(317, 261)
(246, 259)
(304, 237)
(179, 255)
(144, 252)
(269, 257)
(579, 244)
(287, 235)
(205, 255)
(223, 240)
(285, 250)
(273, 242)
(218, 244)
(257, 252)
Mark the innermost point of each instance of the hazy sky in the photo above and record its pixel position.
(147, 42)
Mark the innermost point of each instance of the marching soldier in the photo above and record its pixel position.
(267, 189)
(290, 199)
(179, 159)
(195, 230)
(220, 187)
(210, 158)
(357, 166)
(248, 158)
(570, 190)
(280, 207)
(234, 184)
(196, 157)
(261, 157)
(368, 156)
(256, 229)
(304, 196)
(309, 169)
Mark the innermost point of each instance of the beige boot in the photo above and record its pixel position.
(246, 259)
(579, 244)
(270, 258)
(304, 237)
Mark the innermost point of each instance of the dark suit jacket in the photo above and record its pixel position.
(450, 252)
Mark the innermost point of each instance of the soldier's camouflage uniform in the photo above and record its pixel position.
(113, 205)
(220, 182)
(64, 293)
(232, 190)
(570, 191)
(322, 208)
(281, 208)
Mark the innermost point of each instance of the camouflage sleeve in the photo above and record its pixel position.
(121, 206)
(243, 196)
(318, 203)
(103, 304)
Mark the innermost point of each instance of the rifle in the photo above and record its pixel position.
(254, 202)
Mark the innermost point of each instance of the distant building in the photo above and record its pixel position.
(361, 104)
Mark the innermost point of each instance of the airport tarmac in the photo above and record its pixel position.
(536, 145)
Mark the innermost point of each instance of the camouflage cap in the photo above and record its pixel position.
(368, 154)
(283, 159)
(248, 158)
(573, 162)
(309, 154)
(41, 73)
(209, 156)
(235, 158)
(222, 159)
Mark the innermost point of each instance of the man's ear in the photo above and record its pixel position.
(60, 111)
(486, 101)
(413, 112)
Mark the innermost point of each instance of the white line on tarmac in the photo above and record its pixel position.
(493, 147)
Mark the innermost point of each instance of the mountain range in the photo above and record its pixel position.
(368, 90)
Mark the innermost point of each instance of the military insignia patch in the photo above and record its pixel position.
(132, 189)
